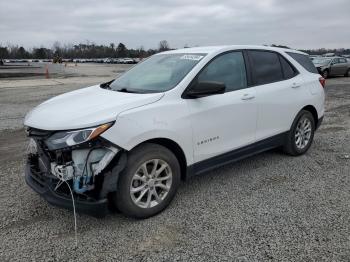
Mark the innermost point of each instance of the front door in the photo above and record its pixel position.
(223, 122)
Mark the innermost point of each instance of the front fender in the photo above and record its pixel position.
(129, 132)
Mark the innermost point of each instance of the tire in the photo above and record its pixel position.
(347, 74)
(139, 173)
(325, 74)
(294, 146)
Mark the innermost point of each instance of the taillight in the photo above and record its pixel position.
(322, 81)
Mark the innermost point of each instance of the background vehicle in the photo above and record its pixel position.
(332, 66)
(177, 114)
(126, 61)
(312, 57)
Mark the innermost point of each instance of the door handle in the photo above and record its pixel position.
(295, 85)
(247, 97)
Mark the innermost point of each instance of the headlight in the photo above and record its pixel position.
(70, 138)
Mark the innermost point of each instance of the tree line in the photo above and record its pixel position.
(320, 51)
(85, 50)
(91, 50)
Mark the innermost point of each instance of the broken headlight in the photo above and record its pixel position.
(70, 138)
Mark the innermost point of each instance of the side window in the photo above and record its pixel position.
(227, 68)
(342, 60)
(266, 67)
(335, 61)
(288, 70)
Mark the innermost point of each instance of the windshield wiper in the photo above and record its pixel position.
(107, 85)
(125, 90)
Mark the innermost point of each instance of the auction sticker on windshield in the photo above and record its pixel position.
(192, 57)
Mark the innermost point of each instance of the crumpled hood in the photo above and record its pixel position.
(85, 107)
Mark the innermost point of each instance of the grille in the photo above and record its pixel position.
(38, 133)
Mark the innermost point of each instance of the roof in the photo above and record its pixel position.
(223, 48)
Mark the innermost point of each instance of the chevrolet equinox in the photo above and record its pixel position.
(129, 142)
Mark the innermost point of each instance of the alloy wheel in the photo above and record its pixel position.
(303, 133)
(325, 74)
(151, 183)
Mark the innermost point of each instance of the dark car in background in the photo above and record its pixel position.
(332, 66)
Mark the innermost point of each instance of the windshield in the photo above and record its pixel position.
(158, 73)
(322, 61)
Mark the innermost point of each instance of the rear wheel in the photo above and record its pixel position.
(149, 181)
(301, 134)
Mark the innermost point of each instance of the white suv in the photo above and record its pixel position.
(130, 142)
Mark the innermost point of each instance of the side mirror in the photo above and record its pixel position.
(205, 88)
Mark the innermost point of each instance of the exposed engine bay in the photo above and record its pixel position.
(85, 164)
(91, 168)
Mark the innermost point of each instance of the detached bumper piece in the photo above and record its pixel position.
(44, 184)
(319, 122)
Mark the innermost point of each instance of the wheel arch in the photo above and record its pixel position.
(313, 111)
(328, 70)
(174, 148)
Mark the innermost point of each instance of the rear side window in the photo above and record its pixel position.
(288, 70)
(304, 61)
(229, 69)
(266, 67)
(335, 61)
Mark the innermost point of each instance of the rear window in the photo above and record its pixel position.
(304, 61)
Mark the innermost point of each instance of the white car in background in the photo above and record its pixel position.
(127, 61)
(177, 114)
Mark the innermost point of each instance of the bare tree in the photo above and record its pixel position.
(163, 45)
(121, 50)
(57, 48)
(4, 53)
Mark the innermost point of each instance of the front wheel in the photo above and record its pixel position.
(347, 74)
(325, 74)
(301, 134)
(149, 181)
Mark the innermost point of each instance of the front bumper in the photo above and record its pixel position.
(41, 184)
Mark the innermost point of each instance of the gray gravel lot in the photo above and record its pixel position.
(268, 207)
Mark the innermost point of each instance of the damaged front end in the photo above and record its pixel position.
(79, 161)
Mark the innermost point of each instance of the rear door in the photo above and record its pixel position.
(223, 122)
(335, 68)
(279, 92)
(343, 66)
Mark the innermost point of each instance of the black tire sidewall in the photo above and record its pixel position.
(137, 157)
(347, 74)
(325, 72)
(303, 114)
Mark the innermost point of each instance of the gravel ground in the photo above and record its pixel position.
(268, 207)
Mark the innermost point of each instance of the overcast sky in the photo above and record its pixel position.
(295, 23)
